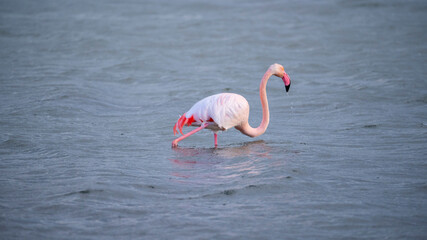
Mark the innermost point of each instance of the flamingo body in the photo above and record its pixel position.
(225, 110)
(222, 111)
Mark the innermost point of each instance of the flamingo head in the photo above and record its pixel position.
(279, 71)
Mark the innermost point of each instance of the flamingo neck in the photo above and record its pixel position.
(246, 128)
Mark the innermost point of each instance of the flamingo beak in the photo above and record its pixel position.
(287, 81)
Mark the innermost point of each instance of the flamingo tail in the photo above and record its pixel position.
(182, 121)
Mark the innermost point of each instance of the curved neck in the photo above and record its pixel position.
(246, 128)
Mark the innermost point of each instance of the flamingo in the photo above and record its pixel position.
(222, 111)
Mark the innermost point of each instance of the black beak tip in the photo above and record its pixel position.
(287, 87)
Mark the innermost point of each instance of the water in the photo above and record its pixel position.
(90, 92)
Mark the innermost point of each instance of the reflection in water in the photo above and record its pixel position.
(221, 163)
(253, 150)
(256, 149)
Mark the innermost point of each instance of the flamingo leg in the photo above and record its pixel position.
(175, 142)
(216, 139)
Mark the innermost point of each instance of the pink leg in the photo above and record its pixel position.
(216, 139)
(175, 142)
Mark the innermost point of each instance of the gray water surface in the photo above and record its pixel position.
(90, 92)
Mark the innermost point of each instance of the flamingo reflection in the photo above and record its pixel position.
(209, 163)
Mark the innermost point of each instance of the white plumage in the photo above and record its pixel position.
(225, 109)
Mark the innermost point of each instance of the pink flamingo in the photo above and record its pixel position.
(226, 110)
